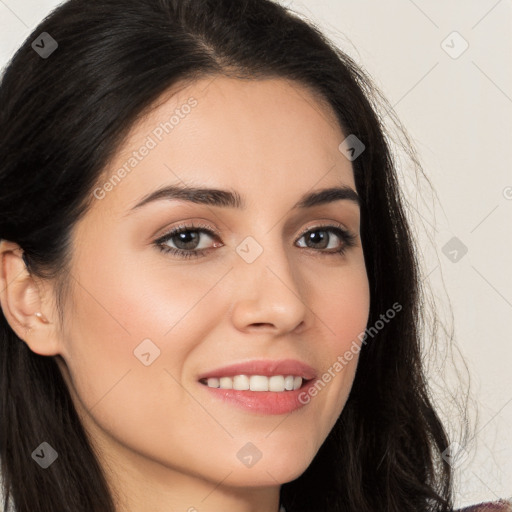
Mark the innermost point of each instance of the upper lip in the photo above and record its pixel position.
(265, 367)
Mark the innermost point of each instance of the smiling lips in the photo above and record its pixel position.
(261, 386)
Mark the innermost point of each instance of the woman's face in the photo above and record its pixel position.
(143, 325)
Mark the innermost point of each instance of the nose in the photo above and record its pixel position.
(270, 294)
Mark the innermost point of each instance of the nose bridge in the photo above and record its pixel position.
(269, 290)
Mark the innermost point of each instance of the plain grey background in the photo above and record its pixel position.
(445, 68)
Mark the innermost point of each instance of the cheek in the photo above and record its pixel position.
(136, 403)
(124, 318)
(118, 307)
(342, 308)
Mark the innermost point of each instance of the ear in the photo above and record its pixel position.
(24, 302)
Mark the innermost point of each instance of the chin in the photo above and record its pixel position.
(279, 468)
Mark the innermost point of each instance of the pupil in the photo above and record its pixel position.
(189, 234)
(317, 237)
(317, 234)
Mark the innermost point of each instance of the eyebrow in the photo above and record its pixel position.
(232, 199)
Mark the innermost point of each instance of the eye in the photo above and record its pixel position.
(186, 239)
(322, 242)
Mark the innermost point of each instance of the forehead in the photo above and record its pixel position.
(248, 135)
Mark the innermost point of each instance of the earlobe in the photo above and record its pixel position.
(21, 302)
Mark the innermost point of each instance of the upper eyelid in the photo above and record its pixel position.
(187, 227)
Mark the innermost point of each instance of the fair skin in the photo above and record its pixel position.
(165, 442)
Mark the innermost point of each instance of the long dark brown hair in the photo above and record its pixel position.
(63, 117)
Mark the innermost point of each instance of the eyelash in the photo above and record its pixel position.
(347, 237)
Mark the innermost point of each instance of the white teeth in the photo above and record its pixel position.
(226, 383)
(275, 383)
(288, 382)
(241, 382)
(259, 382)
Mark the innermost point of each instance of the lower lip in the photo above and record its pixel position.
(266, 402)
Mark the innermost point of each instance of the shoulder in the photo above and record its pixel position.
(494, 506)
